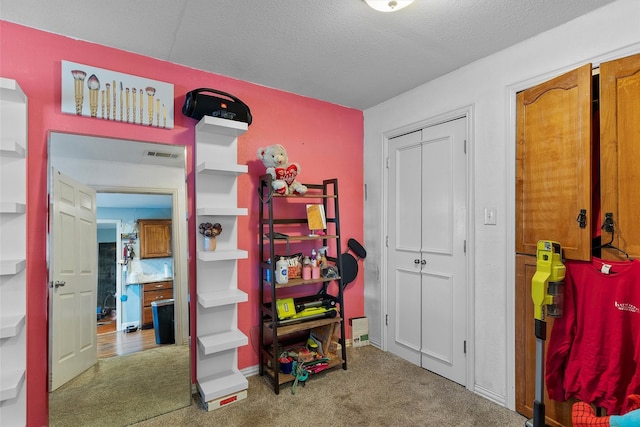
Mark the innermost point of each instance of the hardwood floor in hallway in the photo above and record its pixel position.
(118, 343)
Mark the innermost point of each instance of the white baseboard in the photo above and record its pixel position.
(500, 399)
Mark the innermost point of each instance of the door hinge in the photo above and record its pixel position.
(464, 346)
(386, 241)
(465, 146)
(387, 163)
(465, 246)
(386, 320)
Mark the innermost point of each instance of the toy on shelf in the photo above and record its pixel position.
(284, 174)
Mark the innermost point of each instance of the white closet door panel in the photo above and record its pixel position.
(408, 209)
(405, 220)
(408, 308)
(437, 192)
(426, 256)
(444, 289)
(437, 317)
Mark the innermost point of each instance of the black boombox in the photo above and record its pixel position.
(197, 105)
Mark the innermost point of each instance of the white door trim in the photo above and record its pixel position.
(468, 113)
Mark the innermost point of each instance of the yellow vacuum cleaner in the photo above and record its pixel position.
(290, 311)
(547, 292)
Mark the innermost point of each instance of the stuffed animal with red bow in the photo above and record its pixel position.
(284, 174)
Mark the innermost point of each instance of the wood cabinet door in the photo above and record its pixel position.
(557, 413)
(553, 164)
(620, 153)
(155, 291)
(155, 238)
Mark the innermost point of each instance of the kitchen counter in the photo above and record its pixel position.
(141, 279)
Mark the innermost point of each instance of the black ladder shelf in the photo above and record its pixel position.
(274, 334)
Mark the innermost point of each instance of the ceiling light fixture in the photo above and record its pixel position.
(388, 5)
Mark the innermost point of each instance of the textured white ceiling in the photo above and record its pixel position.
(340, 51)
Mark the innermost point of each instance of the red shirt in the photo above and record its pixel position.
(594, 349)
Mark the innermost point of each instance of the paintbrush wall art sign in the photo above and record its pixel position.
(108, 95)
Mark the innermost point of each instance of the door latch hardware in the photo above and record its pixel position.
(607, 225)
(582, 218)
(59, 283)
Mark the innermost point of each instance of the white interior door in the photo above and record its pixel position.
(74, 261)
(404, 315)
(427, 237)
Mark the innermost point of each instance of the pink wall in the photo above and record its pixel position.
(310, 130)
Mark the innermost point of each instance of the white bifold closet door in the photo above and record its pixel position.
(427, 284)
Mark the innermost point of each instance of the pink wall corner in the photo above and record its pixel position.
(326, 139)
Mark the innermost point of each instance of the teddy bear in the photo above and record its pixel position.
(275, 159)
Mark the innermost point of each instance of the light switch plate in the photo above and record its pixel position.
(490, 216)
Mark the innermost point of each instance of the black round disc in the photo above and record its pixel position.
(349, 268)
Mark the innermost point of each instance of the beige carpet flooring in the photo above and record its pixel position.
(378, 389)
(122, 390)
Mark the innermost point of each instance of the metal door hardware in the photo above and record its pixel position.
(582, 218)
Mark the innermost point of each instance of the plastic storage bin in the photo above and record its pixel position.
(163, 321)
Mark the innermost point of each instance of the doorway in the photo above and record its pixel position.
(108, 307)
(426, 272)
(116, 166)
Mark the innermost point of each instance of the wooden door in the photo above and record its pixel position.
(553, 164)
(557, 413)
(553, 184)
(620, 153)
(155, 238)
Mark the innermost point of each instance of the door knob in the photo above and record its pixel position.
(424, 261)
(59, 283)
(416, 261)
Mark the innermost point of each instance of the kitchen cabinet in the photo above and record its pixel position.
(576, 150)
(155, 238)
(216, 198)
(13, 232)
(154, 291)
(277, 334)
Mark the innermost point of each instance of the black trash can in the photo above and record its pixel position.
(163, 321)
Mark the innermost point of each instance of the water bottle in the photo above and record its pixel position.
(268, 271)
(282, 271)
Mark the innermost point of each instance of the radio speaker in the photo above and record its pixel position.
(197, 104)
